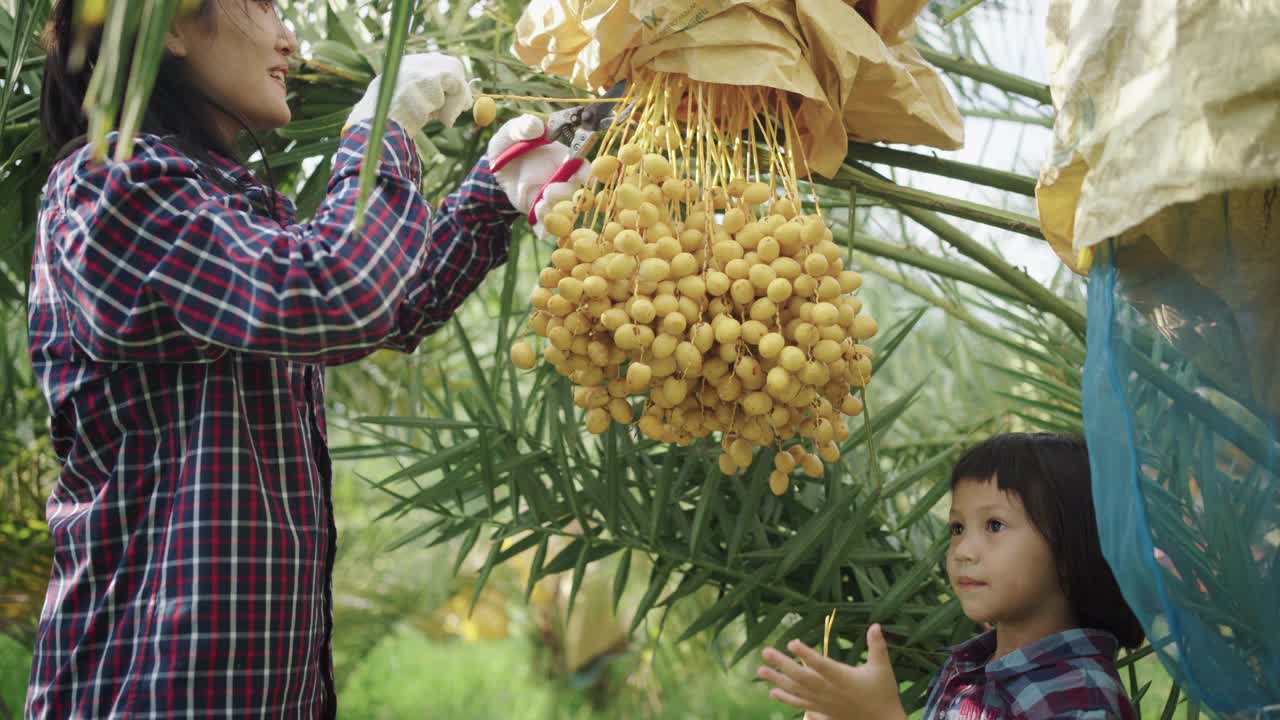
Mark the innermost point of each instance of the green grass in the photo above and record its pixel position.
(409, 676)
(15, 666)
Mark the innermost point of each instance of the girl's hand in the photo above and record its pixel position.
(826, 687)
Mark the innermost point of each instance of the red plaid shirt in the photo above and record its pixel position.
(180, 336)
(1069, 675)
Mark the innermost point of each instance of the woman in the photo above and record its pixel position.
(180, 321)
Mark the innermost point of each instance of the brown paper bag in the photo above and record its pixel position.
(855, 75)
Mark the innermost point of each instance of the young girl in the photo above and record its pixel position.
(180, 322)
(1025, 559)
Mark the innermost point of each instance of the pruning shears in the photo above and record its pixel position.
(579, 127)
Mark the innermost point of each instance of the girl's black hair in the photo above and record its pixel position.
(1050, 475)
(178, 111)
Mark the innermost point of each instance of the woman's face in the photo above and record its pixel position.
(237, 52)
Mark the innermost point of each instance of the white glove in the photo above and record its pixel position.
(429, 86)
(522, 178)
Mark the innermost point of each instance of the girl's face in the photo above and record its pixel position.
(1000, 566)
(238, 54)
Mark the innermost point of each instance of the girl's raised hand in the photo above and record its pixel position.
(826, 687)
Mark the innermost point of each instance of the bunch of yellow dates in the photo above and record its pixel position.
(689, 274)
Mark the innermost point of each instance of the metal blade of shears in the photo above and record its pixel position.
(585, 123)
(597, 118)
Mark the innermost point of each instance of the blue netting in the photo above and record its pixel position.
(1184, 453)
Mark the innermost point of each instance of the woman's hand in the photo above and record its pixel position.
(429, 86)
(525, 176)
(831, 690)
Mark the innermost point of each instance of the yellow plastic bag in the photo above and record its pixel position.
(855, 76)
(1159, 104)
(1167, 140)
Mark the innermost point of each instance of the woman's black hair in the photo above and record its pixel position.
(1050, 475)
(178, 111)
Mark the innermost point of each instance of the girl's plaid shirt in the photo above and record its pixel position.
(180, 336)
(1070, 675)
